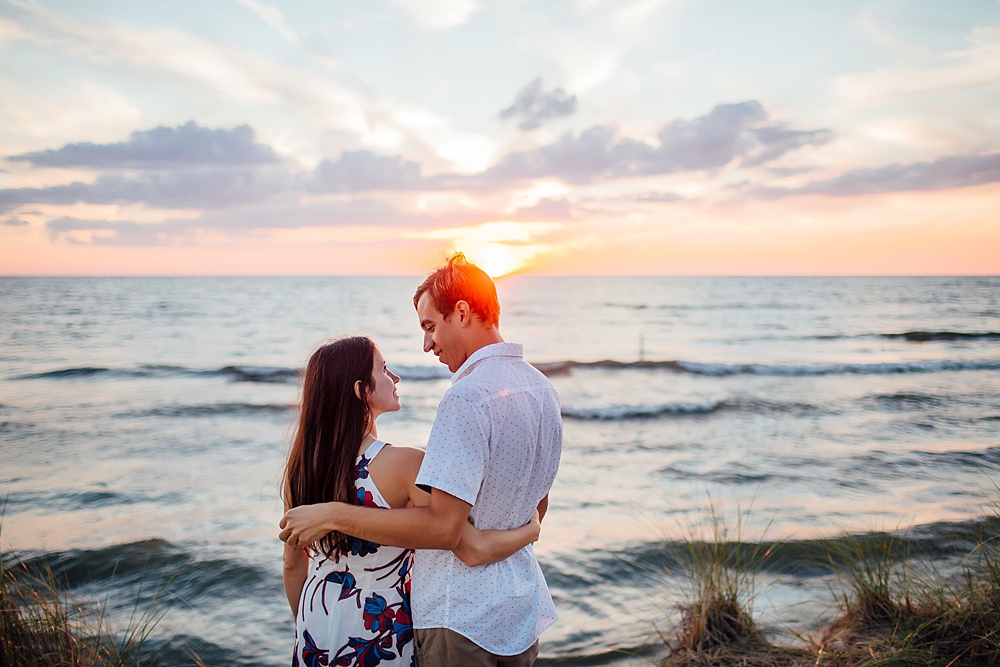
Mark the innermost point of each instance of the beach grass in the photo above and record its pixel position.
(896, 607)
(41, 626)
(716, 617)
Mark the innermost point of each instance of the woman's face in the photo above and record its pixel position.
(383, 397)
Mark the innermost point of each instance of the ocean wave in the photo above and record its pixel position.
(259, 374)
(121, 562)
(926, 463)
(100, 371)
(142, 371)
(686, 408)
(625, 412)
(906, 400)
(212, 410)
(179, 650)
(799, 558)
(927, 336)
(141, 565)
(86, 499)
(885, 368)
(721, 369)
(234, 373)
(916, 336)
(278, 374)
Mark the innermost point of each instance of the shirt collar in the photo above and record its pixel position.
(493, 350)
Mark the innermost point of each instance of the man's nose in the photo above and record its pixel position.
(428, 342)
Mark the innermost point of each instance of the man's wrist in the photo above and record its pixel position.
(333, 512)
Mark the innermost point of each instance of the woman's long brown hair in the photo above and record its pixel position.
(332, 423)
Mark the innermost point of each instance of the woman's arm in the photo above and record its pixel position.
(482, 547)
(295, 569)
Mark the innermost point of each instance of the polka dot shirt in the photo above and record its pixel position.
(495, 444)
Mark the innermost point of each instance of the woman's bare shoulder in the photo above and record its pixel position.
(394, 470)
(403, 453)
(399, 460)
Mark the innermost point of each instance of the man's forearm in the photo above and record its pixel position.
(411, 528)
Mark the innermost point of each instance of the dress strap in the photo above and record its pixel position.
(373, 450)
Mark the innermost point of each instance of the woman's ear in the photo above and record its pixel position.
(357, 389)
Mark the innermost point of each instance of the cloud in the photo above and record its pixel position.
(945, 173)
(360, 171)
(739, 133)
(659, 198)
(122, 233)
(182, 189)
(974, 68)
(15, 222)
(535, 106)
(545, 209)
(437, 14)
(159, 148)
(280, 214)
(273, 17)
(298, 103)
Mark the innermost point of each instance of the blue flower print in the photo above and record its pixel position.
(378, 615)
(312, 656)
(366, 653)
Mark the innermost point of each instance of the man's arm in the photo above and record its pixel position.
(437, 525)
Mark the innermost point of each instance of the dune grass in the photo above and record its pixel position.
(896, 608)
(40, 626)
(721, 572)
(717, 625)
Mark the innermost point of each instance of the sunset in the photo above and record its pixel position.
(440, 333)
(634, 138)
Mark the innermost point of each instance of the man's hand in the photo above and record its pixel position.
(303, 525)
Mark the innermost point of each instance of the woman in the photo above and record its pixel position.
(350, 596)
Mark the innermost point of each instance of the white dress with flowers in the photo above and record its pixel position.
(356, 612)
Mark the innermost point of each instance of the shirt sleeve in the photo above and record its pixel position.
(457, 451)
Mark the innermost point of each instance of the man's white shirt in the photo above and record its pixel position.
(495, 444)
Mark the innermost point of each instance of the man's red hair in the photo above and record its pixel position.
(460, 280)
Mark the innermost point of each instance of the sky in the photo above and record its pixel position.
(566, 137)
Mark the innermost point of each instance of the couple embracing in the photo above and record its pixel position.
(362, 515)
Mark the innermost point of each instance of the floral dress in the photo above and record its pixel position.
(356, 612)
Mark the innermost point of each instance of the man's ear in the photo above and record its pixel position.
(357, 389)
(463, 312)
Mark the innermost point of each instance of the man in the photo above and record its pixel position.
(491, 459)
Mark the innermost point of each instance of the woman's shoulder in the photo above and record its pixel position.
(401, 454)
(394, 470)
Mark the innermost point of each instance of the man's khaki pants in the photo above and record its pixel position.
(441, 647)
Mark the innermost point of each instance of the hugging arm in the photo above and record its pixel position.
(437, 525)
(435, 520)
(482, 547)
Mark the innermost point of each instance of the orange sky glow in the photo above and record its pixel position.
(633, 138)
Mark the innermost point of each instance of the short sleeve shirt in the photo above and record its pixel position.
(495, 444)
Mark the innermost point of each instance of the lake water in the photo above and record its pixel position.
(144, 422)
